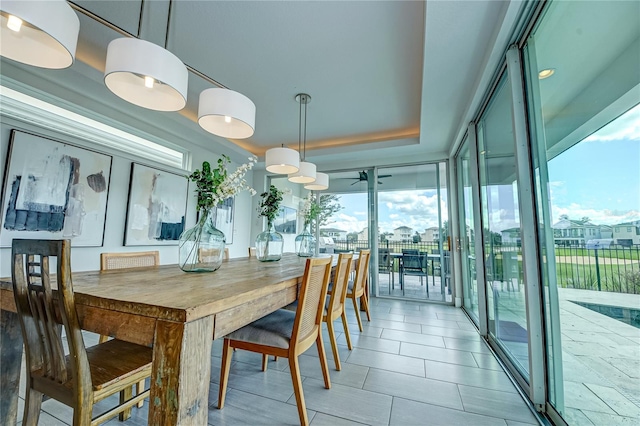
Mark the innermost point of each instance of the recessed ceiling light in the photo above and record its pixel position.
(546, 73)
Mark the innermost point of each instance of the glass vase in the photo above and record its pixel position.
(201, 248)
(269, 245)
(305, 243)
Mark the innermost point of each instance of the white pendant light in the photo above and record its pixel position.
(39, 33)
(321, 183)
(307, 171)
(146, 75)
(306, 174)
(226, 113)
(282, 160)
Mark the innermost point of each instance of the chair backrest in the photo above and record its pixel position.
(362, 272)
(409, 251)
(212, 255)
(313, 293)
(384, 259)
(340, 282)
(414, 262)
(138, 259)
(42, 314)
(446, 266)
(252, 252)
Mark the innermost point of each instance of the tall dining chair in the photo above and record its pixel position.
(252, 252)
(357, 287)
(334, 308)
(86, 375)
(138, 259)
(286, 334)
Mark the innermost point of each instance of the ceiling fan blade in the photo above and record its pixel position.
(379, 183)
(384, 176)
(355, 182)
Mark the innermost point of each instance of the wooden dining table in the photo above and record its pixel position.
(177, 313)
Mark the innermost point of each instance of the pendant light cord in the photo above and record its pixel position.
(300, 130)
(166, 34)
(140, 18)
(304, 147)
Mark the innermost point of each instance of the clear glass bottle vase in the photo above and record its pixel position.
(305, 243)
(269, 245)
(201, 248)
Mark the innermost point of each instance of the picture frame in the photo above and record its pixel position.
(156, 207)
(287, 220)
(54, 190)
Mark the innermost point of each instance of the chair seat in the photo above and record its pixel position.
(116, 360)
(273, 330)
(294, 306)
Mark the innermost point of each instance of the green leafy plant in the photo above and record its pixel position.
(310, 209)
(270, 204)
(213, 186)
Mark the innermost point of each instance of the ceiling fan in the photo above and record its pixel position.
(364, 177)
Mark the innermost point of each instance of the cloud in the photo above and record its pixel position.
(360, 213)
(625, 127)
(597, 216)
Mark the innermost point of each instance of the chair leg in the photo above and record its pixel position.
(346, 328)
(365, 304)
(125, 395)
(82, 414)
(103, 338)
(294, 366)
(140, 389)
(32, 407)
(323, 361)
(224, 372)
(265, 361)
(334, 343)
(355, 308)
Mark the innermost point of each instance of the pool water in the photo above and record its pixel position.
(626, 315)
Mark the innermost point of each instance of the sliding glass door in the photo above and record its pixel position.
(401, 213)
(465, 170)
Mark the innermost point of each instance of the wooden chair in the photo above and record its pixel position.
(138, 259)
(86, 375)
(357, 287)
(205, 254)
(252, 252)
(335, 305)
(286, 334)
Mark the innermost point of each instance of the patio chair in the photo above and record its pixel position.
(416, 265)
(385, 266)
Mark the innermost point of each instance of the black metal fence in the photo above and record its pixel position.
(615, 269)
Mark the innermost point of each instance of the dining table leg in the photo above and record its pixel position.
(181, 372)
(11, 357)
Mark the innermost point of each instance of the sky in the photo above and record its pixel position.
(597, 178)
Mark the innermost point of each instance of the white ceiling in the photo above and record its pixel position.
(391, 81)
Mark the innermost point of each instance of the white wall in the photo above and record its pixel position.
(88, 258)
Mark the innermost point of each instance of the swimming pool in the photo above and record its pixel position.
(626, 315)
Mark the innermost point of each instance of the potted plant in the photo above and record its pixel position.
(201, 248)
(269, 243)
(306, 241)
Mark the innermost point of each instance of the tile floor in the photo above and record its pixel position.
(414, 364)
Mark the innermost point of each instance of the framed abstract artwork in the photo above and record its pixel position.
(224, 218)
(54, 190)
(156, 208)
(287, 220)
